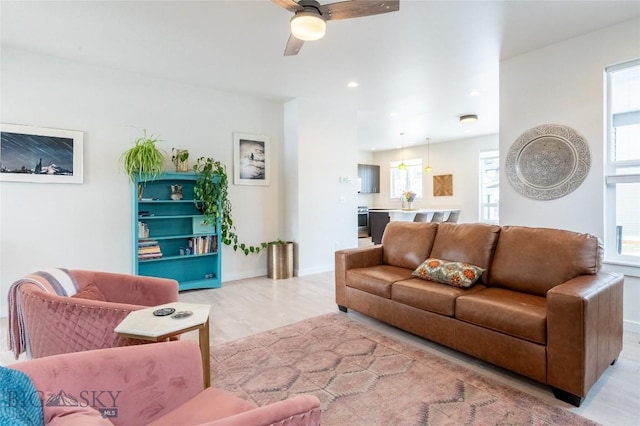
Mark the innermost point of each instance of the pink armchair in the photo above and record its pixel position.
(156, 385)
(56, 324)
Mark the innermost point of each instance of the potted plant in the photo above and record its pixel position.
(144, 160)
(180, 159)
(211, 185)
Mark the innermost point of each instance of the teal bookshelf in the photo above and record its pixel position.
(170, 239)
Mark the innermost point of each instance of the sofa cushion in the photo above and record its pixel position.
(457, 274)
(516, 314)
(534, 260)
(376, 279)
(428, 295)
(472, 243)
(210, 404)
(407, 244)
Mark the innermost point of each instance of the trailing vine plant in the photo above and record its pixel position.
(212, 184)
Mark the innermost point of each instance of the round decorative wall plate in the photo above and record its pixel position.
(548, 162)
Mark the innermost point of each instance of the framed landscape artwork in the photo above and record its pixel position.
(40, 155)
(250, 159)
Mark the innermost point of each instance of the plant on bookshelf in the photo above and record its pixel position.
(144, 160)
(180, 159)
(208, 191)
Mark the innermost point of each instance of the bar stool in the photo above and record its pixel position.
(421, 217)
(437, 217)
(453, 216)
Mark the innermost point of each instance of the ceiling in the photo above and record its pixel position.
(420, 63)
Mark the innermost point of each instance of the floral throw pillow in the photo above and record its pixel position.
(458, 274)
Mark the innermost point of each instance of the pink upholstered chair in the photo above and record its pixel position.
(158, 384)
(58, 324)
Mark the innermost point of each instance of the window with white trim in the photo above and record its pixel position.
(408, 178)
(489, 186)
(622, 168)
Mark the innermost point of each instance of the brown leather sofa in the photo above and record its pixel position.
(542, 308)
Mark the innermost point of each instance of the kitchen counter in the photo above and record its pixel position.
(378, 218)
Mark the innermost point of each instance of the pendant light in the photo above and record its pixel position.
(402, 166)
(428, 169)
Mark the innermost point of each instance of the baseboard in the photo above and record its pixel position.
(315, 270)
(243, 275)
(631, 326)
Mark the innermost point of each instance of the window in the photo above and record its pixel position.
(409, 179)
(489, 186)
(622, 197)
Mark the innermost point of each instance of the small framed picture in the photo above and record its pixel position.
(40, 155)
(442, 185)
(250, 159)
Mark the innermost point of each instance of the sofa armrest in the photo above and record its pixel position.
(57, 324)
(140, 382)
(584, 326)
(130, 289)
(350, 259)
(301, 410)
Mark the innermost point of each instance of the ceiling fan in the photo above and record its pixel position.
(310, 19)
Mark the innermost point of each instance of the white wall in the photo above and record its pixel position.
(323, 140)
(89, 226)
(564, 84)
(460, 158)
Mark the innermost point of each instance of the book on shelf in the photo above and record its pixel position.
(143, 230)
(152, 249)
(204, 244)
(149, 249)
(149, 256)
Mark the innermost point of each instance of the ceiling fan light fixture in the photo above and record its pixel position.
(468, 118)
(308, 26)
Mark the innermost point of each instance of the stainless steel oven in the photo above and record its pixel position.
(363, 221)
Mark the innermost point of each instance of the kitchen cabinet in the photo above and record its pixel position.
(369, 176)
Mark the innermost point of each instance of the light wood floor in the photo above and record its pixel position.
(245, 307)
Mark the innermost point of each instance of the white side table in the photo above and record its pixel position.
(142, 324)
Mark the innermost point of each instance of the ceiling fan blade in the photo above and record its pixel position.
(293, 46)
(290, 5)
(358, 8)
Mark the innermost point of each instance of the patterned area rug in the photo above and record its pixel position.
(364, 377)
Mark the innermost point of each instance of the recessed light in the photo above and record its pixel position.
(474, 93)
(352, 84)
(468, 118)
(394, 114)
